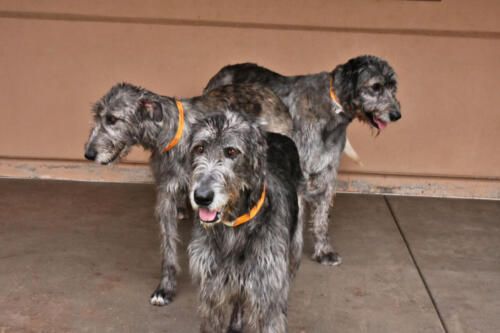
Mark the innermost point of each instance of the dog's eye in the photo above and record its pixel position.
(199, 149)
(377, 87)
(231, 152)
(111, 120)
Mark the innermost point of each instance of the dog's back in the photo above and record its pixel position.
(244, 73)
(260, 102)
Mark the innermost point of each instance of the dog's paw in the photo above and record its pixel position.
(161, 297)
(328, 258)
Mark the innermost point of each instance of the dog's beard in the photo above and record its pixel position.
(120, 153)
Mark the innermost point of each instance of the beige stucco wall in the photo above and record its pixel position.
(58, 57)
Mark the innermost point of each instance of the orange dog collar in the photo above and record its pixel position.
(334, 97)
(180, 127)
(248, 216)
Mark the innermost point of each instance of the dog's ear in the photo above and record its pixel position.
(345, 82)
(150, 109)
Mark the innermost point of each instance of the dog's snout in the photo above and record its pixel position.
(90, 154)
(394, 115)
(203, 196)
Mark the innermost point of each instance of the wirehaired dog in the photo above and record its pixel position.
(322, 106)
(129, 115)
(247, 238)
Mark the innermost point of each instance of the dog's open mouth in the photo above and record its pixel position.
(380, 124)
(209, 217)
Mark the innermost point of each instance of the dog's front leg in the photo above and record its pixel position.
(212, 315)
(268, 287)
(236, 323)
(323, 252)
(166, 211)
(272, 318)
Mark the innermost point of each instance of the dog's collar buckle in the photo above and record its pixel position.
(180, 127)
(250, 215)
(334, 97)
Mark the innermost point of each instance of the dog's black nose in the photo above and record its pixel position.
(394, 115)
(90, 154)
(203, 197)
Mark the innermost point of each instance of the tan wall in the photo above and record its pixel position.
(58, 57)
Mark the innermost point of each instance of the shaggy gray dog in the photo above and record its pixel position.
(322, 106)
(247, 239)
(128, 115)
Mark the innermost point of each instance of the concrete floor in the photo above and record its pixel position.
(85, 257)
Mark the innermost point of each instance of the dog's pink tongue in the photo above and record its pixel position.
(381, 125)
(207, 215)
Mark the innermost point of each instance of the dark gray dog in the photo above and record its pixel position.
(128, 115)
(322, 106)
(247, 239)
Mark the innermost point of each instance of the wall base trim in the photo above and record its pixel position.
(75, 170)
(350, 182)
(411, 185)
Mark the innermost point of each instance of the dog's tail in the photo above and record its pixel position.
(297, 239)
(351, 153)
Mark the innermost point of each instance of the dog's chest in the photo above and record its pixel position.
(318, 146)
(171, 171)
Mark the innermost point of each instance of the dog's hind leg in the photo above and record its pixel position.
(166, 210)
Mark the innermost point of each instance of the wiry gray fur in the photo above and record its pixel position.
(247, 268)
(128, 115)
(366, 87)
